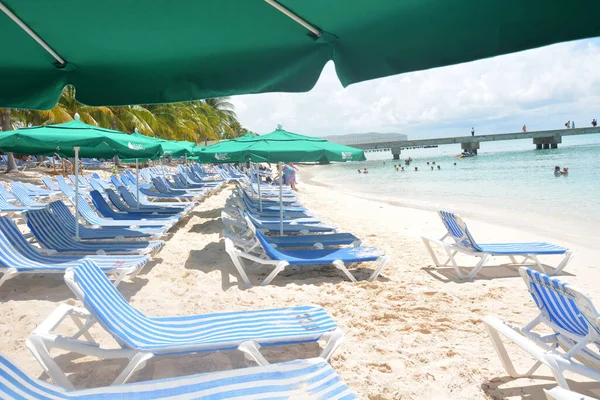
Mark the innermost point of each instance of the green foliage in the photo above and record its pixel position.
(211, 119)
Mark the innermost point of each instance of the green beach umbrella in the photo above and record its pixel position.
(189, 49)
(279, 145)
(75, 139)
(93, 141)
(170, 148)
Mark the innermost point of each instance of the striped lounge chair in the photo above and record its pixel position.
(301, 379)
(458, 239)
(90, 215)
(570, 315)
(144, 203)
(17, 256)
(142, 337)
(62, 213)
(48, 231)
(279, 258)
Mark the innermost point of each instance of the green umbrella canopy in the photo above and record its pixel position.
(93, 141)
(170, 148)
(252, 46)
(278, 146)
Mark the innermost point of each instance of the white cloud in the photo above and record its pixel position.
(542, 88)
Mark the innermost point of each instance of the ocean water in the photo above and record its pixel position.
(507, 182)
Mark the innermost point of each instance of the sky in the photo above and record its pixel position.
(542, 88)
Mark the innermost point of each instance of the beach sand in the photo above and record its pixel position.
(415, 333)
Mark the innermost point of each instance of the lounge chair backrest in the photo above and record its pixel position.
(9, 255)
(65, 187)
(16, 238)
(100, 203)
(5, 193)
(21, 194)
(116, 200)
(87, 212)
(50, 184)
(64, 215)
(96, 185)
(107, 305)
(4, 204)
(125, 179)
(457, 230)
(115, 181)
(569, 310)
(160, 185)
(46, 228)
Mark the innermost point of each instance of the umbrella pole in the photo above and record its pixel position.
(137, 183)
(258, 182)
(76, 193)
(280, 199)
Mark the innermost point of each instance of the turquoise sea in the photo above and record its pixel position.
(508, 182)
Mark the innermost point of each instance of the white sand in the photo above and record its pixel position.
(415, 333)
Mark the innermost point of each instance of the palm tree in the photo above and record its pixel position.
(211, 119)
(6, 125)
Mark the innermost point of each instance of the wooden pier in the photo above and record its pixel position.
(541, 140)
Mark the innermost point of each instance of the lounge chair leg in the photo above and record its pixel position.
(512, 259)
(238, 263)
(563, 263)
(339, 264)
(454, 264)
(333, 340)
(83, 328)
(495, 326)
(538, 264)
(478, 267)
(278, 268)
(9, 273)
(450, 258)
(136, 363)
(430, 251)
(251, 349)
(42, 354)
(382, 263)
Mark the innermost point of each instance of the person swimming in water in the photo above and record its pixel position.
(439, 167)
(557, 171)
(565, 171)
(359, 171)
(365, 171)
(432, 167)
(416, 169)
(401, 169)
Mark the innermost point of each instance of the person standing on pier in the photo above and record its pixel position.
(572, 124)
(594, 122)
(524, 128)
(472, 131)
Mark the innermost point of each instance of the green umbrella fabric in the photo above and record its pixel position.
(170, 148)
(62, 138)
(199, 49)
(279, 145)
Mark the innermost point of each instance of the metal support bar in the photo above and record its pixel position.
(31, 33)
(76, 149)
(295, 17)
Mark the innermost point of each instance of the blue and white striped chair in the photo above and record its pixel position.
(301, 379)
(17, 256)
(53, 237)
(24, 198)
(460, 240)
(141, 337)
(575, 323)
